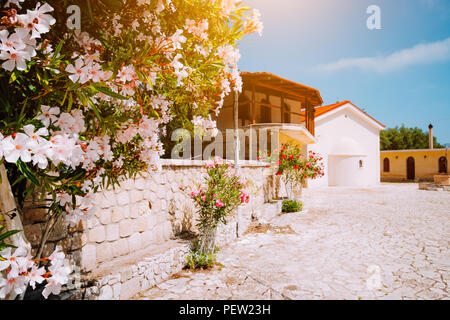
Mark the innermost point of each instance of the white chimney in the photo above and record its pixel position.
(430, 136)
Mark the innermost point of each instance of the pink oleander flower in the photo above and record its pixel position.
(48, 115)
(245, 197)
(228, 6)
(195, 193)
(209, 164)
(218, 160)
(17, 148)
(15, 59)
(77, 72)
(254, 24)
(219, 204)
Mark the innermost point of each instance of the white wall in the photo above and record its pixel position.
(344, 170)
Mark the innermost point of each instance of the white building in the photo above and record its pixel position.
(349, 141)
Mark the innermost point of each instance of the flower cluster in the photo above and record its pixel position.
(254, 24)
(294, 165)
(19, 46)
(22, 271)
(202, 126)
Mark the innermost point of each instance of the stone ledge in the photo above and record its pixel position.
(127, 276)
(442, 179)
(133, 258)
(429, 186)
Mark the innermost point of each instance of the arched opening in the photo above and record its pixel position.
(386, 165)
(443, 165)
(410, 169)
(346, 164)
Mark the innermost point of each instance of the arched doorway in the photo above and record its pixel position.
(347, 164)
(410, 169)
(386, 165)
(443, 165)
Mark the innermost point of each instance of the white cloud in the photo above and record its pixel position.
(419, 54)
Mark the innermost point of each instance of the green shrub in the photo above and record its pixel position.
(292, 206)
(200, 260)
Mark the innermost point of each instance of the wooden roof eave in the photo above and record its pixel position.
(289, 94)
(277, 82)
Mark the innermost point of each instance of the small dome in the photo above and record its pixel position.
(347, 146)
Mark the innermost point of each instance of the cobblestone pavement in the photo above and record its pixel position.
(386, 242)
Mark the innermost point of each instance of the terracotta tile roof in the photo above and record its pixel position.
(325, 109)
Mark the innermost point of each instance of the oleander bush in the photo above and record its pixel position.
(221, 193)
(83, 109)
(294, 167)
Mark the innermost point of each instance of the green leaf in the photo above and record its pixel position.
(17, 181)
(91, 15)
(70, 103)
(23, 167)
(84, 101)
(58, 49)
(97, 113)
(64, 99)
(105, 90)
(8, 234)
(13, 77)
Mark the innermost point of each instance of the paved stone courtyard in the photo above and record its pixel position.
(386, 242)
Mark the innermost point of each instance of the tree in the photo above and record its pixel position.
(405, 138)
(81, 110)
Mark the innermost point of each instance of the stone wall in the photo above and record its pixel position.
(137, 237)
(70, 239)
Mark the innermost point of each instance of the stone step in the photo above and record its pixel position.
(127, 276)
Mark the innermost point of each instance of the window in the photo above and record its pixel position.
(386, 165)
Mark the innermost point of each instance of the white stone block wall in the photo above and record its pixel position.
(150, 212)
(152, 209)
(136, 229)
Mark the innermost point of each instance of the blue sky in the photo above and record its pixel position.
(399, 74)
